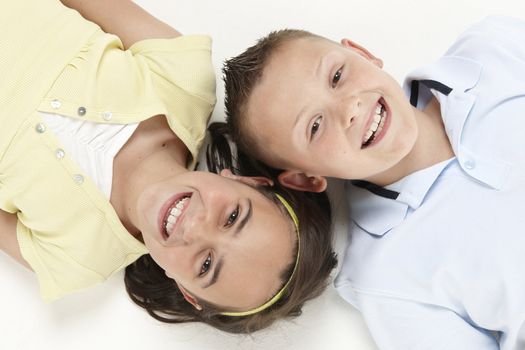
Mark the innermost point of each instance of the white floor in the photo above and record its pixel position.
(404, 33)
(103, 317)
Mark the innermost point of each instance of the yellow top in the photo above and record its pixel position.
(52, 60)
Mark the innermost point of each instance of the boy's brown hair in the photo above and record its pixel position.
(241, 74)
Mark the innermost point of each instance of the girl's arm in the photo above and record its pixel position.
(8, 241)
(123, 18)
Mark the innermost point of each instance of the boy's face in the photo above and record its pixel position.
(325, 109)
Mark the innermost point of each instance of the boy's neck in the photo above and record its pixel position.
(432, 146)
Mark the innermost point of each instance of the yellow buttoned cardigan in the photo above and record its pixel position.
(52, 60)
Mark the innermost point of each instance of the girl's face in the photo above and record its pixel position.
(327, 109)
(218, 238)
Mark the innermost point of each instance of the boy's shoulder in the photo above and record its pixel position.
(491, 40)
(493, 32)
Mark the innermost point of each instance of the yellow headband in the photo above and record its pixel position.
(280, 293)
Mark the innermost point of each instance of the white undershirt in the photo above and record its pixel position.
(91, 145)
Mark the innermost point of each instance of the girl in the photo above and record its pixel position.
(98, 135)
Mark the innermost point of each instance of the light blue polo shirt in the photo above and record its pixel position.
(437, 259)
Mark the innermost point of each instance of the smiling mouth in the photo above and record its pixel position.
(376, 127)
(173, 215)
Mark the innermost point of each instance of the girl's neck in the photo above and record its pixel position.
(152, 153)
(432, 145)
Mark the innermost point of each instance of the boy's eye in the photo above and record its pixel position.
(337, 77)
(233, 217)
(316, 125)
(206, 265)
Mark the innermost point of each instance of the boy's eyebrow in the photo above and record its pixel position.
(320, 65)
(317, 72)
(298, 117)
(218, 266)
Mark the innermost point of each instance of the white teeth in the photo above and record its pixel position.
(174, 214)
(376, 126)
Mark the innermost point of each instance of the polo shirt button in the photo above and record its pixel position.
(78, 178)
(40, 128)
(59, 153)
(81, 111)
(107, 115)
(56, 104)
(469, 164)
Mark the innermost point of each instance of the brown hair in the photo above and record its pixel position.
(241, 74)
(150, 288)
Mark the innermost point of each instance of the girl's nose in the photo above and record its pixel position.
(197, 228)
(202, 223)
(193, 228)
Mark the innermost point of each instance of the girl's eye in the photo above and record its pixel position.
(337, 77)
(233, 217)
(316, 125)
(206, 265)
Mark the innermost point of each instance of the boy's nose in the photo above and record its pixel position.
(349, 112)
(350, 121)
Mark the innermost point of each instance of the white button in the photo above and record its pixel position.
(469, 164)
(56, 104)
(107, 115)
(59, 153)
(78, 178)
(40, 128)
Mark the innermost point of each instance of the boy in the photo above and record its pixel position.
(437, 178)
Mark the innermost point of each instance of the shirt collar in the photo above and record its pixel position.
(377, 215)
(462, 75)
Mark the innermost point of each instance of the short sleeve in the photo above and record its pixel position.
(183, 78)
(174, 77)
(402, 324)
(57, 273)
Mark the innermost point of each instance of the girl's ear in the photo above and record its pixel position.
(300, 181)
(248, 180)
(189, 298)
(362, 51)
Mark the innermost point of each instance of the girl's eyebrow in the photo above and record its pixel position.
(218, 266)
(245, 219)
(216, 271)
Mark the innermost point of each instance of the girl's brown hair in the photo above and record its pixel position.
(150, 288)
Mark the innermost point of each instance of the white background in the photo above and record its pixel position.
(404, 34)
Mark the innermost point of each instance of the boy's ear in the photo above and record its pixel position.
(189, 298)
(248, 180)
(362, 51)
(300, 181)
